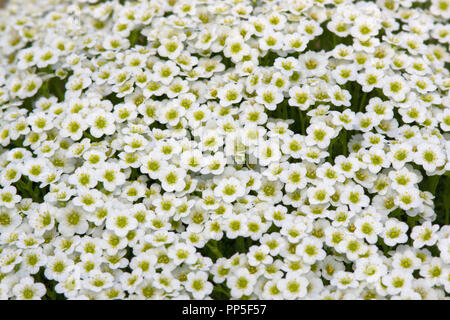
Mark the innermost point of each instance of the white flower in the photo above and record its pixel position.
(170, 48)
(424, 235)
(271, 40)
(241, 283)
(172, 178)
(395, 87)
(165, 72)
(368, 228)
(27, 289)
(230, 94)
(344, 280)
(370, 269)
(430, 156)
(120, 222)
(300, 97)
(73, 127)
(405, 259)
(98, 281)
(397, 281)
(198, 285)
(30, 86)
(354, 197)
(313, 64)
(110, 175)
(364, 28)
(9, 197)
(269, 96)
(83, 178)
(319, 134)
(236, 226)
(42, 219)
(72, 221)
(310, 250)
(101, 123)
(376, 159)
(89, 200)
(394, 232)
(293, 286)
(58, 267)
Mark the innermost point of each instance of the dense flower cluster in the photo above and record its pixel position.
(285, 149)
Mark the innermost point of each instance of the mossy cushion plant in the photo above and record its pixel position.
(224, 149)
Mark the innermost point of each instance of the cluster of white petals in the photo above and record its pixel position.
(243, 149)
